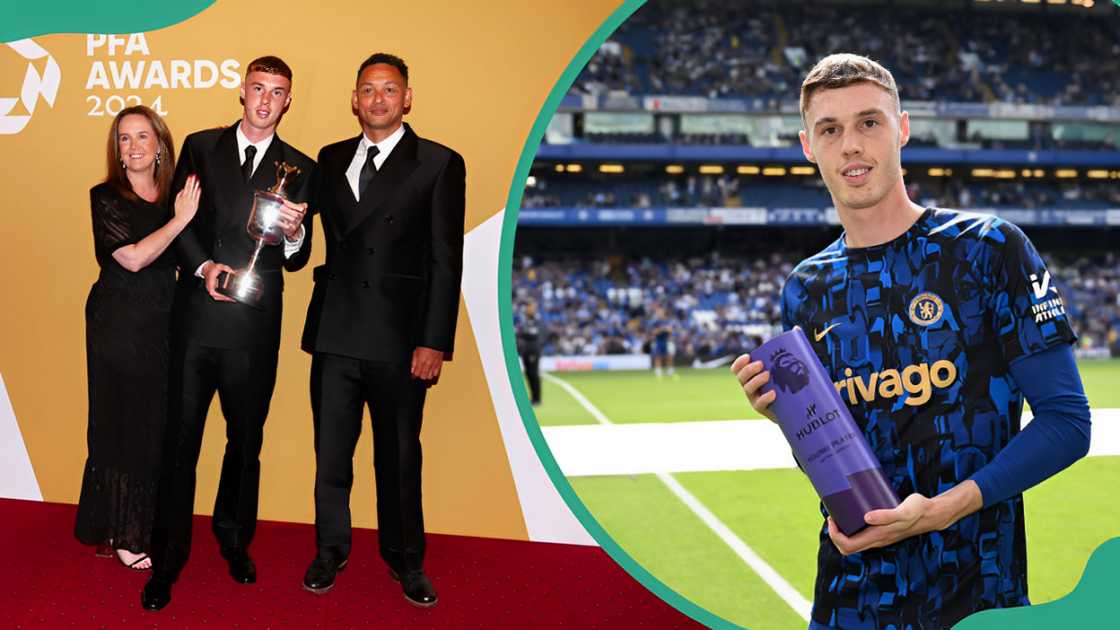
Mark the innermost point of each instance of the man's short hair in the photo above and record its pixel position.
(270, 65)
(844, 69)
(386, 58)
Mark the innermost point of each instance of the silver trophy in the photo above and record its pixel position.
(244, 285)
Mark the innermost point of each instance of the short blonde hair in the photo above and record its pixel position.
(844, 69)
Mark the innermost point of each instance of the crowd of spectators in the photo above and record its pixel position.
(1090, 286)
(955, 193)
(719, 306)
(716, 306)
(1040, 137)
(726, 49)
(679, 192)
(657, 138)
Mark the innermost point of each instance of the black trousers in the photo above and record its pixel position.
(340, 388)
(244, 380)
(532, 361)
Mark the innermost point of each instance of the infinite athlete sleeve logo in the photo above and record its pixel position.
(1045, 307)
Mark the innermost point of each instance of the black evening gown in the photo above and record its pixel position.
(128, 319)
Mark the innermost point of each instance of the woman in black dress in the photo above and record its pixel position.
(127, 328)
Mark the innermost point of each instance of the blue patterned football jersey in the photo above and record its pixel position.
(918, 335)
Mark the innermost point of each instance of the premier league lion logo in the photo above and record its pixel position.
(788, 372)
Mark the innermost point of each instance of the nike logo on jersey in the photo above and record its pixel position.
(817, 336)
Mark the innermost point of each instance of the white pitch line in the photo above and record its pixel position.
(783, 588)
(580, 398)
(773, 579)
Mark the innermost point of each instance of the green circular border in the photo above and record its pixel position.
(48, 17)
(509, 345)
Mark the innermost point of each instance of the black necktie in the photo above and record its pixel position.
(247, 165)
(368, 169)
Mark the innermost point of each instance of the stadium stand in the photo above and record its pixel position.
(671, 182)
(594, 305)
(718, 49)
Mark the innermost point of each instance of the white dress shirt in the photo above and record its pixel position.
(384, 148)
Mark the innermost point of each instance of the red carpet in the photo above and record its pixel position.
(50, 580)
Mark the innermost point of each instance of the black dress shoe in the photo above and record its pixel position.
(241, 567)
(156, 593)
(418, 589)
(320, 575)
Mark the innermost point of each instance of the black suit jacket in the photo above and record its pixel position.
(394, 260)
(218, 232)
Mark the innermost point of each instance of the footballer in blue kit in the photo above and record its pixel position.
(935, 325)
(662, 350)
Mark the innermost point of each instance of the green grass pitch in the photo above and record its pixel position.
(713, 394)
(775, 511)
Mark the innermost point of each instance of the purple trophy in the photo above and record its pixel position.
(826, 441)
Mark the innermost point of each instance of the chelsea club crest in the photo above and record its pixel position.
(926, 309)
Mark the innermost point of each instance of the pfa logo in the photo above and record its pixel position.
(35, 86)
(788, 371)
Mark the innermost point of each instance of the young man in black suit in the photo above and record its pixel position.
(220, 345)
(381, 318)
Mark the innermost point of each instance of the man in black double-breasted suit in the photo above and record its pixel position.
(381, 319)
(220, 345)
